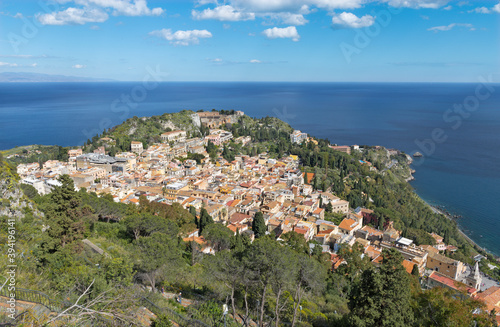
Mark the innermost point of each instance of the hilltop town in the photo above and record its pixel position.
(196, 166)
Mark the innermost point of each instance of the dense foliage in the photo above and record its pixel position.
(276, 283)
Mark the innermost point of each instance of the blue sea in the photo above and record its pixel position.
(455, 126)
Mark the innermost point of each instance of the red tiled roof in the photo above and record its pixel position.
(491, 297)
(347, 224)
(408, 266)
(310, 177)
(450, 282)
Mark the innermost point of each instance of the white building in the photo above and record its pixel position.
(174, 136)
(136, 147)
(297, 136)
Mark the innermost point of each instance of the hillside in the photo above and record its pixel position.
(125, 259)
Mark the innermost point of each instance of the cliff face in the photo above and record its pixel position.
(13, 202)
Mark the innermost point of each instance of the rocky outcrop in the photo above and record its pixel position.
(13, 202)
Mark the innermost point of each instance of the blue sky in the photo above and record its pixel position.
(253, 40)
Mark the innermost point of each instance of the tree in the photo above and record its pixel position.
(218, 236)
(146, 224)
(445, 307)
(154, 253)
(205, 219)
(67, 220)
(192, 211)
(259, 225)
(161, 321)
(415, 271)
(264, 258)
(227, 268)
(383, 297)
(296, 241)
(309, 276)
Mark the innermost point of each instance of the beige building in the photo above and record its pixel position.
(174, 136)
(340, 206)
(444, 265)
(136, 147)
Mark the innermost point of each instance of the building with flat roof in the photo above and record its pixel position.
(136, 147)
(297, 136)
(174, 136)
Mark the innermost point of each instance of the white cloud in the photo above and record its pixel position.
(294, 5)
(448, 8)
(484, 10)
(95, 27)
(205, 2)
(349, 20)
(286, 32)
(433, 4)
(93, 11)
(450, 27)
(123, 7)
(78, 66)
(75, 16)
(182, 37)
(8, 64)
(223, 13)
(480, 10)
(287, 18)
(255, 61)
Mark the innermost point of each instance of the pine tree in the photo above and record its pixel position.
(259, 225)
(383, 298)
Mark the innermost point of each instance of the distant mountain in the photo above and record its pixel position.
(36, 78)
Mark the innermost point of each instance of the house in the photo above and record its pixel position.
(174, 136)
(369, 233)
(440, 246)
(218, 212)
(75, 153)
(297, 136)
(491, 297)
(136, 147)
(409, 252)
(342, 148)
(349, 226)
(446, 266)
(318, 213)
(437, 279)
(390, 233)
(367, 214)
(408, 265)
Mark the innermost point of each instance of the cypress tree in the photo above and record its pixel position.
(259, 225)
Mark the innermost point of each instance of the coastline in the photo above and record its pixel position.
(450, 217)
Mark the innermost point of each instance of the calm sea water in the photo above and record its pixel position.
(461, 173)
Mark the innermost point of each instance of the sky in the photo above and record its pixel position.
(253, 40)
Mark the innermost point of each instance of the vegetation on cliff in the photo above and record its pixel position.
(280, 283)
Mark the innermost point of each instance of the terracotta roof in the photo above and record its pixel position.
(491, 297)
(408, 266)
(442, 279)
(310, 177)
(348, 224)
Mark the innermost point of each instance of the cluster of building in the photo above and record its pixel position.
(232, 192)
